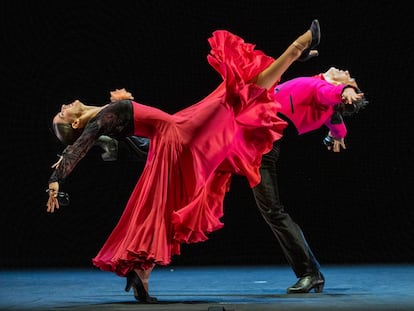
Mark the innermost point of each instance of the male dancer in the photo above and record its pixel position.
(309, 103)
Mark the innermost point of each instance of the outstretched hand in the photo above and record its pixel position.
(335, 144)
(52, 202)
(349, 95)
(120, 94)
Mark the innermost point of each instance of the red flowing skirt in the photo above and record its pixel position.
(193, 154)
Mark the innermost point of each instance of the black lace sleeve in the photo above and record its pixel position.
(74, 153)
(115, 120)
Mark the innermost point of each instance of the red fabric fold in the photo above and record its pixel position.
(193, 154)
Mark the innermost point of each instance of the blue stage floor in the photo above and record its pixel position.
(237, 288)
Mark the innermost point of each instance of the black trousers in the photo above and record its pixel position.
(288, 233)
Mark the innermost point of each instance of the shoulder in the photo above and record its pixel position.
(302, 82)
(118, 105)
(120, 102)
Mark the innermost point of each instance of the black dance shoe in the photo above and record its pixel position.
(316, 38)
(140, 293)
(306, 283)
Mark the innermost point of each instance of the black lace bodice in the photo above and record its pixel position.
(115, 120)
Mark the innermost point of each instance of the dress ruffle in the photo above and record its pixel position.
(229, 51)
(193, 154)
(238, 62)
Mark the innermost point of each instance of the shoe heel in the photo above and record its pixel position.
(319, 288)
(128, 287)
(310, 52)
(129, 282)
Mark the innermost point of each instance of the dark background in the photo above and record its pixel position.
(354, 207)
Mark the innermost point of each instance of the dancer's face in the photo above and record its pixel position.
(68, 113)
(337, 76)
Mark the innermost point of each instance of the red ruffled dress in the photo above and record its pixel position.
(193, 153)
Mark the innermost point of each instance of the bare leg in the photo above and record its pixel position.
(268, 77)
(144, 276)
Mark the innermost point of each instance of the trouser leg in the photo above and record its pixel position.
(288, 233)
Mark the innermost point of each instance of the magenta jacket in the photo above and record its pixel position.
(308, 102)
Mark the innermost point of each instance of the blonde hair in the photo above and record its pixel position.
(66, 133)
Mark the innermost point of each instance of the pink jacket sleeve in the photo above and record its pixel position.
(330, 94)
(338, 131)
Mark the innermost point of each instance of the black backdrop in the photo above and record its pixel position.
(354, 207)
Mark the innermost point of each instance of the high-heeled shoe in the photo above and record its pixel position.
(140, 293)
(316, 39)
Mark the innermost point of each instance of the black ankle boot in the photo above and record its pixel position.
(305, 284)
